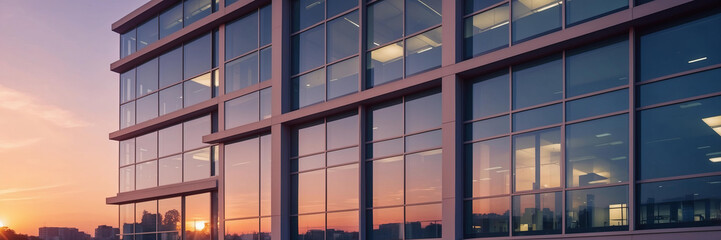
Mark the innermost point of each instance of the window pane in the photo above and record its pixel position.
(596, 68)
(127, 86)
(386, 121)
(242, 180)
(485, 96)
(597, 209)
(197, 217)
(343, 78)
(343, 187)
(537, 160)
(127, 179)
(423, 111)
(538, 117)
(338, 6)
(679, 88)
(308, 163)
(196, 164)
(195, 10)
(597, 152)
(127, 218)
(229, 2)
(597, 105)
(342, 156)
(147, 77)
(193, 132)
(266, 21)
(171, 170)
(241, 73)
(242, 110)
(197, 56)
(306, 13)
(385, 22)
(387, 223)
(486, 31)
(384, 148)
(537, 82)
(171, 99)
(488, 168)
(385, 64)
(424, 141)
(486, 217)
(342, 36)
(265, 180)
(127, 43)
(127, 152)
(171, 67)
(342, 132)
(423, 177)
(309, 89)
(198, 89)
(127, 115)
(310, 227)
(692, 202)
(241, 36)
(308, 139)
(146, 147)
(170, 212)
(423, 221)
(423, 52)
(147, 33)
(386, 182)
(146, 175)
(146, 216)
(147, 108)
(266, 61)
(342, 225)
(246, 229)
(685, 138)
(310, 191)
(537, 214)
(305, 50)
(487, 128)
(422, 14)
(578, 11)
(535, 18)
(171, 20)
(266, 98)
(679, 48)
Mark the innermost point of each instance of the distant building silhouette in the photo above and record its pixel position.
(62, 233)
(105, 232)
(9, 234)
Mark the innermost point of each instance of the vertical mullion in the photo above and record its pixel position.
(510, 23)
(631, 129)
(510, 142)
(562, 162)
(361, 51)
(362, 173)
(452, 161)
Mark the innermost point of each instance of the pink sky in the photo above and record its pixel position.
(58, 102)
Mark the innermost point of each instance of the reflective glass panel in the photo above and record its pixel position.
(244, 229)
(306, 13)
(538, 117)
(680, 87)
(423, 221)
(537, 214)
(487, 128)
(537, 82)
(309, 89)
(343, 187)
(171, 20)
(342, 132)
(196, 164)
(424, 141)
(197, 217)
(310, 227)
(127, 152)
(423, 111)
(170, 67)
(387, 223)
(342, 156)
(307, 50)
(537, 160)
(386, 182)
(147, 108)
(486, 96)
(385, 64)
(308, 139)
(146, 147)
(384, 148)
(423, 52)
(343, 78)
(307, 163)
(578, 11)
(597, 152)
(242, 180)
(170, 170)
(146, 175)
(596, 67)
(198, 89)
(386, 121)
(486, 217)
(266, 98)
(385, 23)
(146, 216)
(193, 132)
(692, 202)
(597, 209)
(194, 10)
(127, 218)
(342, 36)
(488, 168)
(127, 179)
(241, 36)
(471, 6)
(127, 115)
(597, 105)
(170, 213)
(532, 18)
(338, 6)
(127, 43)
(486, 31)
(147, 33)
(147, 77)
(241, 73)
(171, 99)
(423, 177)
(197, 56)
(310, 191)
(266, 20)
(242, 110)
(127, 86)
(265, 180)
(266, 61)
(342, 225)
(422, 14)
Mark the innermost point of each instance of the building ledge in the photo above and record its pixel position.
(166, 120)
(178, 189)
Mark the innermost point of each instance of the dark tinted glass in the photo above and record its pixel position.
(681, 87)
(679, 48)
(242, 179)
(487, 96)
(147, 108)
(193, 132)
(685, 138)
(171, 67)
(241, 36)
(486, 31)
(487, 168)
(147, 77)
(266, 60)
(197, 56)
(342, 132)
(241, 73)
(424, 221)
(196, 164)
(305, 50)
(308, 139)
(146, 175)
(194, 10)
(338, 6)
(306, 13)
(242, 110)
(342, 225)
(424, 141)
(597, 105)
(170, 140)
(423, 111)
(343, 187)
(423, 177)
(537, 214)
(127, 86)
(537, 82)
(538, 117)
(343, 78)
(537, 160)
(147, 33)
(198, 89)
(127, 43)
(486, 217)
(534, 18)
(266, 21)
(146, 216)
(597, 209)
(597, 152)
(385, 121)
(170, 170)
(170, 212)
(309, 89)
(470, 6)
(385, 182)
(423, 52)
(578, 11)
(127, 115)
(422, 14)
(596, 68)
(385, 64)
(171, 99)
(387, 223)
(682, 203)
(385, 22)
(229, 2)
(171, 20)
(487, 128)
(342, 38)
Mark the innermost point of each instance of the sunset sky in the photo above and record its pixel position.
(57, 105)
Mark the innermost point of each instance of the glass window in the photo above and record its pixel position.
(537, 82)
(342, 156)
(266, 61)
(242, 179)
(537, 214)
(422, 14)
(692, 202)
(310, 192)
(147, 77)
(171, 99)
(597, 152)
(386, 121)
(691, 85)
(488, 167)
(486, 31)
(310, 227)
(342, 36)
(266, 21)
(338, 6)
(424, 141)
(229, 2)
(171, 20)
(578, 11)
(194, 10)
(147, 33)
(423, 112)
(127, 152)
(198, 89)
(127, 86)
(266, 98)
(305, 53)
(423, 52)
(308, 163)
(147, 108)
(538, 117)
(309, 89)
(127, 43)
(242, 229)
(241, 73)
(146, 147)
(537, 160)
(534, 18)
(197, 56)
(146, 216)
(471, 6)
(342, 78)
(170, 140)
(127, 179)
(597, 209)
(343, 187)
(146, 175)
(342, 225)
(127, 218)
(197, 164)
(384, 148)
(596, 68)
(386, 186)
(385, 23)
(265, 178)
(170, 212)
(342, 131)
(193, 132)
(241, 36)
(197, 217)
(486, 217)
(487, 128)
(683, 47)
(308, 139)
(242, 110)
(423, 221)
(387, 223)
(485, 96)
(127, 115)
(385, 64)
(171, 67)
(170, 170)
(685, 138)
(306, 13)
(597, 105)
(423, 178)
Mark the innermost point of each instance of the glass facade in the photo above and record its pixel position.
(163, 218)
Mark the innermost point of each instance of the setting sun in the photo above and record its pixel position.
(2, 224)
(198, 225)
